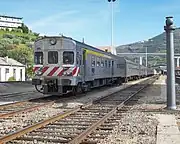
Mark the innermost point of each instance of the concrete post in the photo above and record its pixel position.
(171, 94)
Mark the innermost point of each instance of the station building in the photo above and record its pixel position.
(11, 68)
(10, 22)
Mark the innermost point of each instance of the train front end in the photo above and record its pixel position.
(55, 66)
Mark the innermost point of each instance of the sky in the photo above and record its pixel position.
(134, 20)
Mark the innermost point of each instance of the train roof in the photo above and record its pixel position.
(92, 47)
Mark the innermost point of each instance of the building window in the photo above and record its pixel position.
(7, 70)
(52, 57)
(14, 73)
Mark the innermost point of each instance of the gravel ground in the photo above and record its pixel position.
(140, 127)
(25, 119)
(131, 130)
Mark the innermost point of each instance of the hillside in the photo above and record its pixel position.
(155, 44)
(17, 44)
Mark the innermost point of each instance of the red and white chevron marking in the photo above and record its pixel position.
(57, 71)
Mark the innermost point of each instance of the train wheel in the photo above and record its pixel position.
(126, 80)
(39, 88)
(78, 89)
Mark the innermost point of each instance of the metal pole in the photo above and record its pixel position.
(171, 94)
(113, 50)
(112, 27)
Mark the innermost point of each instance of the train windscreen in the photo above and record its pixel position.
(38, 57)
(52, 57)
(68, 57)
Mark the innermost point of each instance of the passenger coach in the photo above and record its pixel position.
(63, 64)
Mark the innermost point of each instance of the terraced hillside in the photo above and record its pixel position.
(155, 44)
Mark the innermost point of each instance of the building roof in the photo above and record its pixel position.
(5, 16)
(10, 62)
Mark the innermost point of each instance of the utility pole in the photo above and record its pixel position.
(171, 94)
(113, 50)
(146, 61)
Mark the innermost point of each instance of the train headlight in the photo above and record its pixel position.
(38, 73)
(67, 73)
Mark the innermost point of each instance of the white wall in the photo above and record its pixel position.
(6, 24)
(11, 19)
(5, 76)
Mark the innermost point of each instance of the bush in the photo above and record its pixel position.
(10, 36)
(12, 79)
(7, 29)
(18, 30)
(26, 37)
(30, 45)
(16, 41)
(36, 34)
(23, 41)
(33, 39)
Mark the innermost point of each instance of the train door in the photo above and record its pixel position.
(84, 64)
(112, 68)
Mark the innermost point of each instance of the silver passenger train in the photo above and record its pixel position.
(63, 64)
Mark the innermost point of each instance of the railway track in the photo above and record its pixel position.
(11, 109)
(85, 124)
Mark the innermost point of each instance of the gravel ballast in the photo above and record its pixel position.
(137, 127)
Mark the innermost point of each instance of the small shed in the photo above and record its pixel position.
(10, 68)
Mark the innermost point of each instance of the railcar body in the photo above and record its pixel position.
(63, 64)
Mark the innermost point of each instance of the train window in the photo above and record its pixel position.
(102, 62)
(106, 63)
(98, 61)
(109, 63)
(52, 57)
(38, 57)
(68, 57)
(92, 61)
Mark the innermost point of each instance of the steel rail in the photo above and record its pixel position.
(89, 130)
(41, 124)
(25, 110)
(17, 94)
(12, 104)
(25, 130)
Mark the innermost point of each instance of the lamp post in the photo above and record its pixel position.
(112, 27)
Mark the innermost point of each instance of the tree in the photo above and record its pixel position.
(24, 28)
(22, 54)
(29, 71)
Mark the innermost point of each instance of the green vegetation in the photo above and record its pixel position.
(18, 44)
(12, 79)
